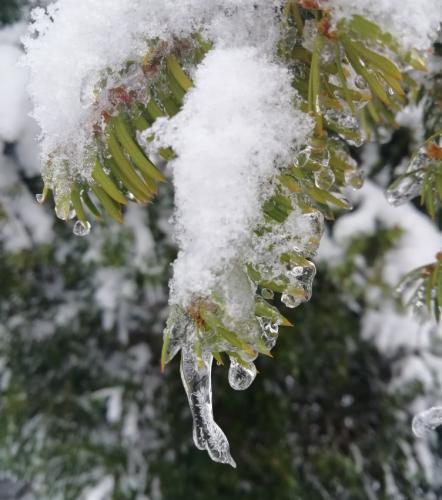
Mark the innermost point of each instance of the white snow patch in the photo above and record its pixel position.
(419, 243)
(14, 104)
(413, 23)
(102, 491)
(26, 223)
(73, 43)
(237, 126)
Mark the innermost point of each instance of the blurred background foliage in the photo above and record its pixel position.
(10, 10)
(86, 414)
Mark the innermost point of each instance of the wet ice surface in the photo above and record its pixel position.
(427, 421)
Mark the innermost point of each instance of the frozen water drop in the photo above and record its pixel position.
(270, 332)
(267, 294)
(241, 376)
(81, 228)
(360, 82)
(40, 197)
(427, 421)
(301, 282)
(290, 301)
(324, 178)
(353, 179)
(320, 156)
(271, 327)
(296, 271)
(303, 156)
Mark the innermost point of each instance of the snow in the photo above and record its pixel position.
(102, 491)
(394, 331)
(112, 292)
(411, 117)
(414, 24)
(419, 243)
(143, 245)
(71, 44)
(228, 150)
(13, 101)
(26, 223)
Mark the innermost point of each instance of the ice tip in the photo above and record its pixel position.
(231, 462)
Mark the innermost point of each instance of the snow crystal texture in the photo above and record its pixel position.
(237, 126)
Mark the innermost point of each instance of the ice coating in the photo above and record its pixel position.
(405, 189)
(427, 421)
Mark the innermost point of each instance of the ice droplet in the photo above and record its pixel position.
(40, 198)
(270, 332)
(267, 294)
(353, 179)
(81, 228)
(324, 178)
(290, 301)
(427, 421)
(301, 280)
(360, 82)
(196, 376)
(241, 376)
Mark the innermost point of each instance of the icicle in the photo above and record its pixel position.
(427, 421)
(196, 376)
